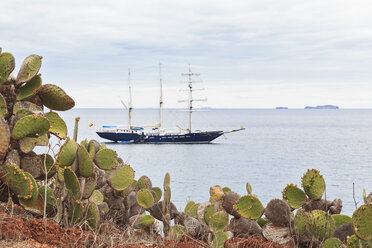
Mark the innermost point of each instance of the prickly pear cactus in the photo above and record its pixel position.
(249, 207)
(145, 198)
(354, 242)
(75, 213)
(7, 65)
(92, 216)
(67, 153)
(313, 184)
(72, 182)
(17, 181)
(333, 243)
(3, 107)
(301, 221)
(53, 97)
(147, 220)
(158, 193)
(322, 224)
(219, 221)
(57, 125)
(294, 196)
(34, 190)
(30, 126)
(341, 219)
(144, 183)
(121, 177)
(219, 240)
(4, 138)
(29, 68)
(106, 159)
(362, 222)
(216, 192)
(85, 162)
(96, 197)
(30, 88)
(176, 232)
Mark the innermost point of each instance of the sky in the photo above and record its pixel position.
(250, 53)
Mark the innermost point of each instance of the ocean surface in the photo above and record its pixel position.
(277, 148)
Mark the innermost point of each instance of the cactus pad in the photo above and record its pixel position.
(218, 221)
(50, 197)
(262, 221)
(219, 240)
(354, 242)
(341, 219)
(121, 177)
(75, 212)
(188, 207)
(7, 65)
(226, 189)
(17, 181)
(67, 153)
(57, 125)
(176, 232)
(96, 197)
(301, 221)
(166, 179)
(93, 217)
(72, 182)
(85, 162)
(249, 207)
(3, 107)
(333, 243)
(30, 88)
(158, 193)
(27, 144)
(34, 190)
(49, 165)
(295, 196)
(90, 184)
(106, 159)
(362, 222)
(55, 98)
(145, 198)
(144, 182)
(208, 213)
(147, 220)
(322, 224)
(4, 138)
(216, 192)
(27, 108)
(35, 207)
(30, 126)
(29, 68)
(313, 184)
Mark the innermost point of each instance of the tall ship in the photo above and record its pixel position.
(156, 133)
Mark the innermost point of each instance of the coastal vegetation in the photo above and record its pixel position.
(85, 185)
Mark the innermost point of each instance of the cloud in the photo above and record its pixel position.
(89, 45)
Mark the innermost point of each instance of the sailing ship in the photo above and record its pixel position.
(156, 133)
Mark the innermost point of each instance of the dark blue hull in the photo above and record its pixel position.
(199, 137)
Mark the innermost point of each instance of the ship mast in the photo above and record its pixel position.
(161, 98)
(190, 100)
(130, 106)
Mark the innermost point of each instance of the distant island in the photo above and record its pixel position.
(322, 107)
(281, 108)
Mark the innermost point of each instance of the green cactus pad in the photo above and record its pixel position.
(295, 196)
(75, 212)
(176, 232)
(166, 179)
(167, 194)
(193, 212)
(216, 192)
(145, 198)
(147, 220)
(34, 190)
(333, 243)
(96, 197)
(67, 153)
(188, 207)
(362, 222)
(55, 98)
(30, 88)
(341, 219)
(93, 217)
(121, 177)
(27, 144)
(85, 162)
(17, 181)
(354, 242)
(49, 164)
(144, 182)
(226, 189)
(322, 224)
(30, 126)
(313, 184)
(57, 125)
(29, 68)
(4, 138)
(219, 221)
(106, 159)
(50, 197)
(93, 147)
(72, 182)
(208, 213)
(158, 193)
(84, 143)
(301, 221)
(27, 108)
(7, 65)
(249, 207)
(90, 184)
(219, 240)
(3, 107)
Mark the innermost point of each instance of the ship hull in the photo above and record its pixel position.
(199, 137)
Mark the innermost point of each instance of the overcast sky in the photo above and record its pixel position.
(250, 53)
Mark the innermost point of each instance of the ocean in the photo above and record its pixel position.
(277, 148)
